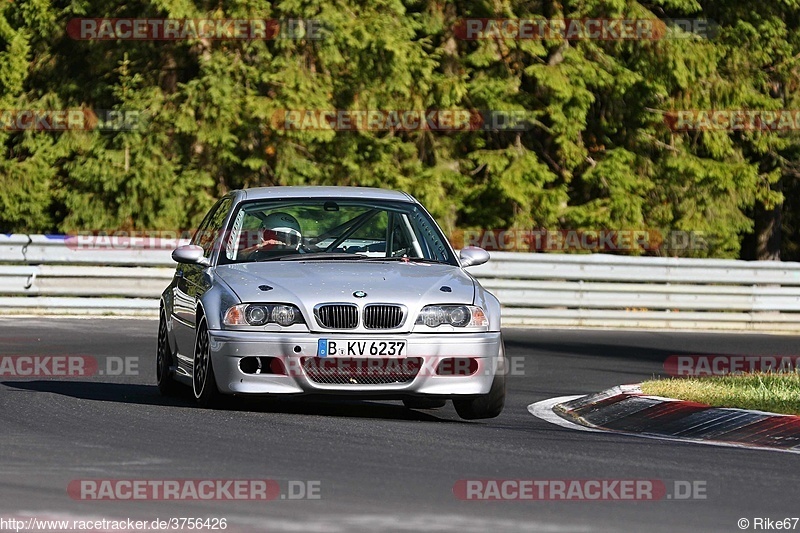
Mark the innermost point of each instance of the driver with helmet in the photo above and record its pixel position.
(279, 234)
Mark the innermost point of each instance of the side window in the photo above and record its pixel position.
(201, 231)
(211, 227)
(428, 238)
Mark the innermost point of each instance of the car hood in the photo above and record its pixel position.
(307, 284)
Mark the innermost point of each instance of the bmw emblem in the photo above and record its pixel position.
(359, 294)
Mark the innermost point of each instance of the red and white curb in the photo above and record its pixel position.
(625, 410)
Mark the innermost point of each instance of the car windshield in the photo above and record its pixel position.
(333, 229)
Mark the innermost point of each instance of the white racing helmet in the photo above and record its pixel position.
(281, 227)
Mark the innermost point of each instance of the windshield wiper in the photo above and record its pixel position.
(318, 256)
(404, 258)
(324, 256)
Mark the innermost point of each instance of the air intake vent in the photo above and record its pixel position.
(351, 371)
(383, 316)
(337, 316)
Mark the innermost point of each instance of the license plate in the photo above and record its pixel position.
(360, 348)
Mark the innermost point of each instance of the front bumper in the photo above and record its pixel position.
(229, 347)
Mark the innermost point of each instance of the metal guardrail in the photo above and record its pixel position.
(54, 274)
(67, 275)
(667, 293)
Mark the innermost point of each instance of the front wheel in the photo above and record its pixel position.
(204, 383)
(487, 405)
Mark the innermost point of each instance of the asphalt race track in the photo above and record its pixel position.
(379, 466)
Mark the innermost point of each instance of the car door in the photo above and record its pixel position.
(193, 281)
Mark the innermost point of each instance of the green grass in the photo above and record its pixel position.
(775, 393)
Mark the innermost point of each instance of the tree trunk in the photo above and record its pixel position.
(768, 224)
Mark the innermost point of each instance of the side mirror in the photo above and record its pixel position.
(190, 254)
(473, 256)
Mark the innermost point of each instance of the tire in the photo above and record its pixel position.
(204, 383)
(167, 386)
(424, 403)
(487, 405)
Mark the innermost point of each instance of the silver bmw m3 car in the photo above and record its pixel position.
(340, 291)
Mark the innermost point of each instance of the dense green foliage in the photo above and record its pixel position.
(598, 152)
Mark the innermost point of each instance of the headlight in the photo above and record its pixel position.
(261, 314)
(284, 315)
(459, 316)
(256, 315)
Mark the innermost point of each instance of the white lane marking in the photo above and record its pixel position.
(544, 411)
